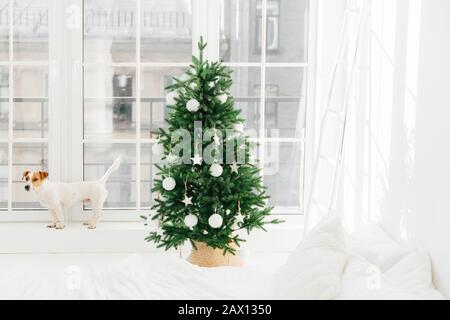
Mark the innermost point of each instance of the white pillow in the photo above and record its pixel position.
(371, 243)
(414, 273)
(364, 281)
(314, 269)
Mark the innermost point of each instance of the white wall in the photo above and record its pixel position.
(398, 148)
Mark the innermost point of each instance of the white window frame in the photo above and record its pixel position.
(211, 9)
(66, 98)
(53, 142)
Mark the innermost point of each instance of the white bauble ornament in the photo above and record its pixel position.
(239, 127)
(215, 221)
(170, 98)
(193, 105)
(190, 220)
(158, 149)
(223, 97)
(169, 184)
(216, 170)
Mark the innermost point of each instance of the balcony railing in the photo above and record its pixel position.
(99, 21)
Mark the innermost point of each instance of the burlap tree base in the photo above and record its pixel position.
(205, 256)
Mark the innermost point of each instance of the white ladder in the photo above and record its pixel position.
(328, 160)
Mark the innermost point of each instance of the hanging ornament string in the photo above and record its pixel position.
(239, 217)
(191, 220)
(158, 196)
(159, 231)
(187, 200)
(169, 183)
(216, 169)
(197, 159)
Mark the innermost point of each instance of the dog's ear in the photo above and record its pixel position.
(43, 175)
(24, 174)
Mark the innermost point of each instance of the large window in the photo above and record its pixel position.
(24, 98)
(131, 51)
(265, 43)
(110, 73)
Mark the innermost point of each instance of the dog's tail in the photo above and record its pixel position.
(111, 169)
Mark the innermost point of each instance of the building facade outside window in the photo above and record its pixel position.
(129, 52)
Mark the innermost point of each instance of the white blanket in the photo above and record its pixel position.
(136, 277)
(322, 267)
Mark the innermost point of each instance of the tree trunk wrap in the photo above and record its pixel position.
(205, 256)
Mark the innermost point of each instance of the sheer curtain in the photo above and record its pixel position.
(379, 149)
(341, 83)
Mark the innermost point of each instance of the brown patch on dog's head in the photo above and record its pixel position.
(37, 178)
(25, 175)
(43, 174)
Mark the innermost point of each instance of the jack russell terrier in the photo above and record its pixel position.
(58, 197)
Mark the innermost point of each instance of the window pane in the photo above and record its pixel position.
(154, 113)
(156, 79)
(110, 118)
(283, 163)
(30, 118)
(286, 39)
(30, 81)
(153, 103)
(31, 30)
(240, 36)
(122, 183)
(3, 176)
(108, 82)
(32, 157)
(148, 174)
(166, 31)
(4, 30)
(4, 118)
(245, 90)
(109, 31)
(284, 97)
(4, 81)
(4, 101)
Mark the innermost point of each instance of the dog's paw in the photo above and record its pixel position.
(60, 226)
(51, 225)
(92, 226)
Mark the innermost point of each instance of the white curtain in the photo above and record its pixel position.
(379, 150)
(342, 32)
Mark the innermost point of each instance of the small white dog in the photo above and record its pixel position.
(59, 196)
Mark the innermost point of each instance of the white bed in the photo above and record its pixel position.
(326, 265)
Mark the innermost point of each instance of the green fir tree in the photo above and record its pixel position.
(200, 201)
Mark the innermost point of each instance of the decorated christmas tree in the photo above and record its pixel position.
(212, 192)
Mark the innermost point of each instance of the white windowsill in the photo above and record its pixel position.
(121, 237)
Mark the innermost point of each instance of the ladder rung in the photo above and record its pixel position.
(339, 114)
(328, 160)
(319, 205)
